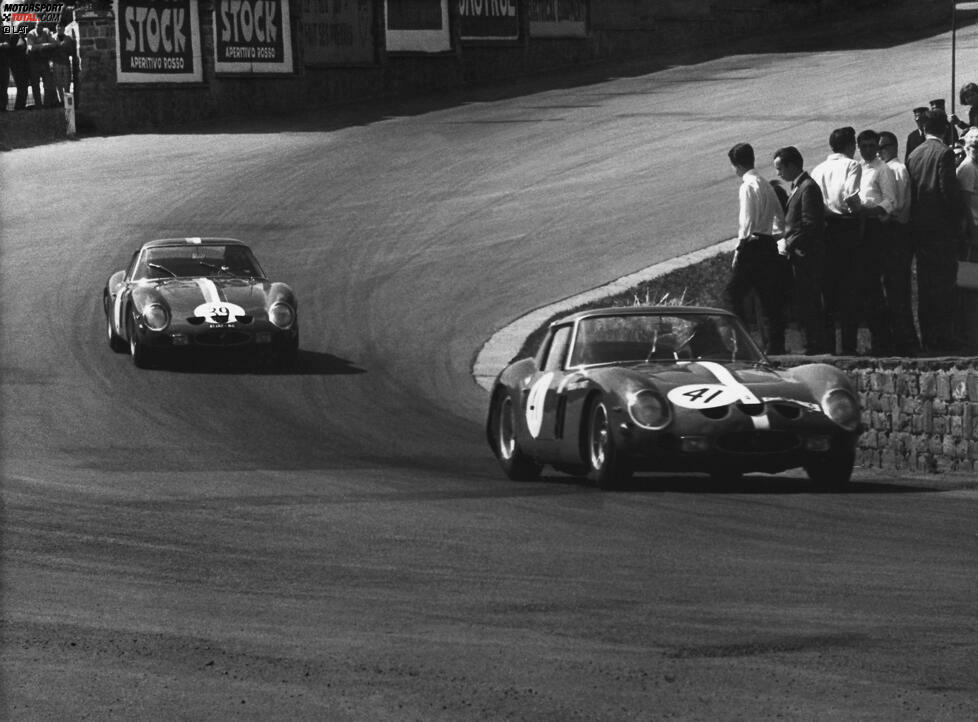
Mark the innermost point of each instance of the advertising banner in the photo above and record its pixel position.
(158, 41)
(558, 18)
(338, 32)
(488, 19)
(252, 36)
(417, 25)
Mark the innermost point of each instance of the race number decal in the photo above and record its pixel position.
(220, 312)
(703, 396)
(534, 403)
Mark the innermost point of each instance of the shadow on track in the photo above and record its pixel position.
(308, 363)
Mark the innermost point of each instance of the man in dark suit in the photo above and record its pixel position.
(935, 213)
(916, 137)
(804, 245)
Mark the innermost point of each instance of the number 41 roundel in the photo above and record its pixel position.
(703, 396)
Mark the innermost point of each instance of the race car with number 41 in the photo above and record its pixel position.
(181, 294)
(668, 388)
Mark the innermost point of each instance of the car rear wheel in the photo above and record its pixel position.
(516, 464)
(141, 355)
(832, 473)
(605, 467)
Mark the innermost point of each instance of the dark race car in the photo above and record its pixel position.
(666, 388)
(198, 293)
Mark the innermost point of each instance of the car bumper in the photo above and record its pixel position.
(254, 336)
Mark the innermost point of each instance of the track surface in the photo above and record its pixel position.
(337, 543)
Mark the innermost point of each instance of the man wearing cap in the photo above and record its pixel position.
(757, 264)
(935, 213)
(917, 136)
(897, 256)
(839, 177)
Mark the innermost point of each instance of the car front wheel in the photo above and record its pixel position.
(115, 343)
(516, 464)
(142, 356)
(606, 468)
(832, 472)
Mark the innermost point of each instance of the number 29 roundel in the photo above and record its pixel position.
(703, 396)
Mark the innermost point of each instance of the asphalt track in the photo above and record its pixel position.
(337, 542)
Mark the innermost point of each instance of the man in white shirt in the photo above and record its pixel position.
(898, 256)
(877, 199)
(757, 264)
(839, 177)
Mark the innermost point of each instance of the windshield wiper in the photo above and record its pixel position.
(158, 267)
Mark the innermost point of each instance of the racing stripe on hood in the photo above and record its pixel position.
(723, 375)
(209, 290)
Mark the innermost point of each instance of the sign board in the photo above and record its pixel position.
(489, 19)
(158, 41)
(338, 32)
(417, 25)
(252, 36)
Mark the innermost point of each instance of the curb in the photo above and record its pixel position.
(503, 345)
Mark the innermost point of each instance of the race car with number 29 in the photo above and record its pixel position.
(181, 294)
(668, 388)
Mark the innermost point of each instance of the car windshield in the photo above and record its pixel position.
(662, 338)
(195, 261)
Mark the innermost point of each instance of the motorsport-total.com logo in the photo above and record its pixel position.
(19, 17)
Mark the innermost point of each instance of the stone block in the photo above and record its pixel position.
(928, 385)
(959, 385)
(943, 385)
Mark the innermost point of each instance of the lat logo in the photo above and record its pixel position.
(219, 314)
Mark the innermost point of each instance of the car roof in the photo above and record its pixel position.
(641, 311)
(191, 241)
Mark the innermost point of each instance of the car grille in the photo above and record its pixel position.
(758, 442)
(222, 338)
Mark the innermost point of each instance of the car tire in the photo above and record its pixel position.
(516, 464)
(832, 473)
(116, 343)
(142, 356)
(606, 469)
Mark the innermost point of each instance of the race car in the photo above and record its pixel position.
(179, 294)
(613, 391)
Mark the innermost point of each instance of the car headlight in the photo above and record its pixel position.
(156, 317)
(648, 409)
(842, 407)
(281, 314)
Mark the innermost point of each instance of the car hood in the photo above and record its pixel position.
(185, 295)
(763, 382)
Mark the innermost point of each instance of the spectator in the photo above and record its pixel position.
(897, 256)
(41, 47)
(15, 47)
(804, 245)
(917, 136)
(838, 177)
(68, 39)
(5, 52)
(935, 211)
(968, 96)
(877, 200)
(967, 174)
(757, 265)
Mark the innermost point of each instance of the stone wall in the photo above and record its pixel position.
(918, 414)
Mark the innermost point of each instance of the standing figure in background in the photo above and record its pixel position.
(917, 136)
(804, 246)
(757, 265)
(41, 47)
(839, 177)
(935, 212)
(897, 255)
(968, 96)
(950, 133)
(877, 200)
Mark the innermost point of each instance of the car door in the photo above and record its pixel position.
(541, 403)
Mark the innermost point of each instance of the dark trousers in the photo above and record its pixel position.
(871, 306)
(841, 281)
(22, 77)
(937, 268)
(807, 272)
(897, 261)
(4, 74)
(760, 268)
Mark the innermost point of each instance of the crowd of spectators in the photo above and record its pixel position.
(44, 57)
(838, 247)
